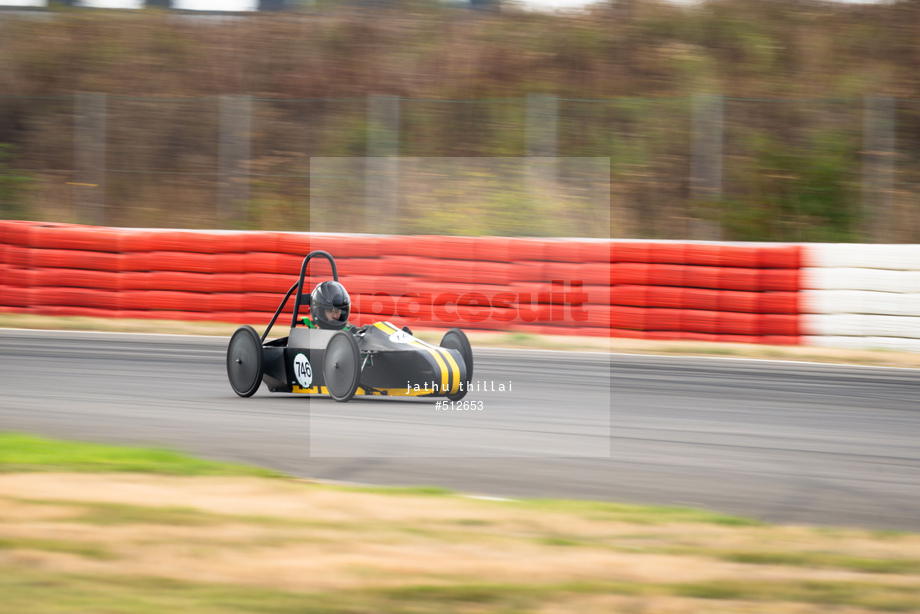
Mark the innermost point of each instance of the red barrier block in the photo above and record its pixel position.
(85, 312)
(661, 335)
(17, 256)
(17, 276)
(188, 241)
(702, 254)
(629, 251)
(745, 302)
(265, 262)
(780, 302)
(454, 248)
(226, 302)
(494, 249)
(780, 280)
(578, 252)
(17, 232)
(166, 261)
(74, 259)
(271, 283)
(729, 323)
(15, 296)
(588, 273)
(406, 266)
(75, 297)
(631, 296)
(700, 299)
(597, 295)
(667, 275)
(739, 279)
(663, 319)
(399, 245)
(780, 257)
(450, 271)
(349, 266)
(290, 243)
(667, 253)
(77, 278)
(739, 257)
(262, 301)
(629, 273)
(165, 300)
(530, 271)
(181, 281)
(528, 313)
(779, 324)
(623, 333)
(85, 238)
(632, 318)
(697, 321)
(665, 296)
(398, 286)
(521, 249)
(701, 277)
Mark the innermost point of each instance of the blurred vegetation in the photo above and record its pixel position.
(793, 75)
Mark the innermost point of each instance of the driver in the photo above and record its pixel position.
(330, 306)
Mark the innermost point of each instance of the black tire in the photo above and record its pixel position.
(342, 366)
(455, 339)
(244, 361)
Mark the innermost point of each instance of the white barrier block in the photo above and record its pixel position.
(834, 255)
(833, 324)
(893, 257)
(830, 278)
(833, 301)
(883, 281)
(862, 256)
(910, 282)
(887, 303)
(891, 326)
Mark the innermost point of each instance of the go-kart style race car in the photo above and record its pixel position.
(373, 360)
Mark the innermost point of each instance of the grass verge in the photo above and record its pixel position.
(22, 452)
(196, 536)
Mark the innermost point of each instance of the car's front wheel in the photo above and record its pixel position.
(342, 366)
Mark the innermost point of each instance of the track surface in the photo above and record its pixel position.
(785, 442)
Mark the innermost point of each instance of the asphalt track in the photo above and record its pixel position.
(784, 442)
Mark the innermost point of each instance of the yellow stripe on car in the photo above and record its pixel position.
(445, 371)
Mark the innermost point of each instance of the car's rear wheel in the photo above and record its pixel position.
(244, 361)
(455, 339)
(342, 366)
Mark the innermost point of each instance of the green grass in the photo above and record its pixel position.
(83, 549)
(27, 591)
(19, 452)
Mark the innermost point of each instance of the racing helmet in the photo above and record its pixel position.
(330, 305)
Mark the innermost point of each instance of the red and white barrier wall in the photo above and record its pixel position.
(853, 296)
(862, 296)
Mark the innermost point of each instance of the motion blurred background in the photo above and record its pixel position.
(735, 119)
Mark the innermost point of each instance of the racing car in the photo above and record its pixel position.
(341, 361)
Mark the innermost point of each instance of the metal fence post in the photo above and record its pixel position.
(234, 154)
(542, 144)
(89, 158)
(381, 183)
(706, 160)
(878, 169)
